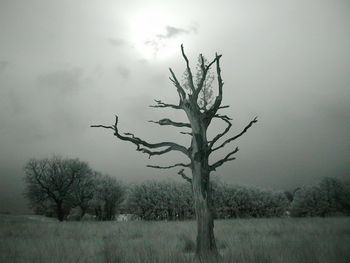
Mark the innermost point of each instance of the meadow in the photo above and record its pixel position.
(26, 239)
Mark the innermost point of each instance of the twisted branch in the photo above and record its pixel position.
(170, 122)
(170, 166)
(217, 137)
(170, 146)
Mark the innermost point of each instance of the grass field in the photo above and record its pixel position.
(284, 240)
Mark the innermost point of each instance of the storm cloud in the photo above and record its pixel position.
(64, 80)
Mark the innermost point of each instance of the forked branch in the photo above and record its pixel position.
(205, 69)
(226, 119)
(224, 160)
(237, 136)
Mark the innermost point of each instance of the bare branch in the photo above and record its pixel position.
(170, 122)
(161, 104)
(170, 146)
(190, 76)
(237, 136)
(102, 126)
(170, 166)
(226, 119)
(180, 90)
(224, 106)
(151, 152)
(184, 176)
(205, 69)
(187, 133)
(224, 160)
(212, 111)
(37, 177)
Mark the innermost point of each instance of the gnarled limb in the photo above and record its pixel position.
(161, 104)
(151, 152)
(170, 146)
(184, 176)
(223, 160)
(237, 136)
(170, 166)
(217, 137)
(170, 122)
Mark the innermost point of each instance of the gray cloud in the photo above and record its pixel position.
(124, 72)
(117, 42)
(3, 65)
(172, 31)
(64, 80)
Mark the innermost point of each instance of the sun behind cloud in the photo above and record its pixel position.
(157, 34)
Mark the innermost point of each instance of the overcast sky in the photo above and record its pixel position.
(65, 65)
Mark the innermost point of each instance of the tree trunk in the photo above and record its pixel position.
(206, 250)
(83, 212)
(60, 212)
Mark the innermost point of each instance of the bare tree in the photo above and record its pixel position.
(109, 193)
(200, 116)
(52, 181)
(83, 191)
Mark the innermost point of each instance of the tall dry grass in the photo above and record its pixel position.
(287, 240)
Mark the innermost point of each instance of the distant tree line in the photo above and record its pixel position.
(70, 189)
(331, 197)
(170, 201)
(173, 201)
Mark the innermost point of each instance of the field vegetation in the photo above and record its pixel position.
(26, 239)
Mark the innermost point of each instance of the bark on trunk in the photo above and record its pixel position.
(206, 250)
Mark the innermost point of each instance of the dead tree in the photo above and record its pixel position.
(199, 118)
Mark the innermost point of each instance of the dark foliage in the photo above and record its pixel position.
(174, 201)
(330, 197)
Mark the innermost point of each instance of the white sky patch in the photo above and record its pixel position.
(155, 33)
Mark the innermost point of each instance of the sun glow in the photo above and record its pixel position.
(149, 33)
